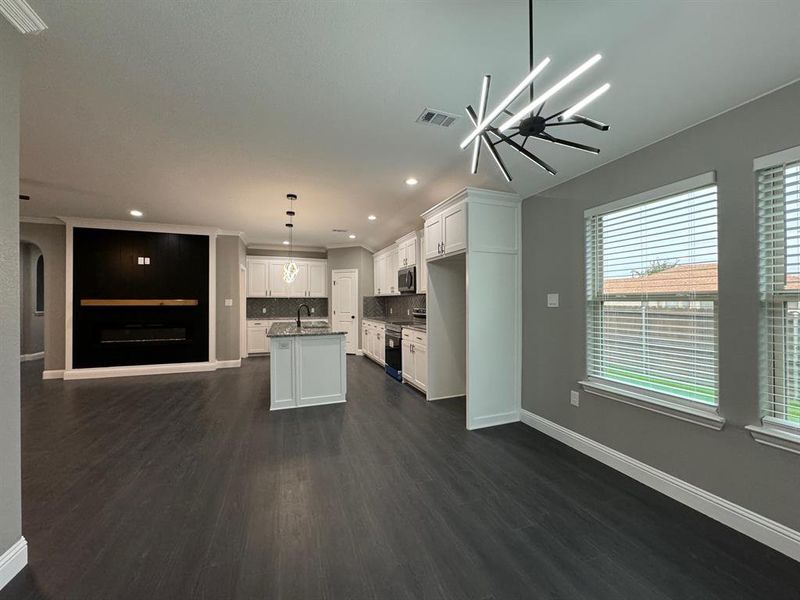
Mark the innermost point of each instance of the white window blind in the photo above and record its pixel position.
(652, 295)
(779, 251)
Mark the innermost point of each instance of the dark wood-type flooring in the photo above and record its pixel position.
(186, 486)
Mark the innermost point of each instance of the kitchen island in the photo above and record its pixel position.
(307, 365)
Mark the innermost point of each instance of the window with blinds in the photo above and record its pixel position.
(779, 251)
(652, 294)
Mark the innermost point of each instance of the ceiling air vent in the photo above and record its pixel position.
(339, 230)
(431, 116)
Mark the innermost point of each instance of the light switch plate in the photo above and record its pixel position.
(552, 300)
(574, 398)
(140, 260)
(228, 301)
(147, 260)
(312, 311)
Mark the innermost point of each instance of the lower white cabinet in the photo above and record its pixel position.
(373, 341)
(415, 358)
(257, 340)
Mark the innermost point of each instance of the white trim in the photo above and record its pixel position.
(140, 370)
(760, 528)
(29, 357)
(698, 415)
(339, 246)
(53, 374)
(138, 226)
(446, 397)
(212, 297)
(283, 248)
(12, 561)
(671, 189)
(41, 220)
(229, 364)
(68, 273)
(776, 158)
(493, 420)
(359, 352)
(776, 435)
(472, 193)
(230, 233)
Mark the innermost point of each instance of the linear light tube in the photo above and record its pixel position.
(508, 100)
(583, 103)
(550, 93)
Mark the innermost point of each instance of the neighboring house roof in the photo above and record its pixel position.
(698, 278)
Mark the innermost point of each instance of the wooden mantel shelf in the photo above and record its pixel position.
(138, 302)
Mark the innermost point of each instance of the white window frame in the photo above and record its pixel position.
(684, 410)
(771, 431)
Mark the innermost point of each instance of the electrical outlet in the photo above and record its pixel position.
(552, 300)
(391, 310)
(263, 311)
(574, 398)
(312, 311)
(408, 312)
(228, 301)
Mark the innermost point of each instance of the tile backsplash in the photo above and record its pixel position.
(277, 308)
(390, 307)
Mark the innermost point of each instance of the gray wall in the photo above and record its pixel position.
(228, 254)
(728, 463)
(359, 258)
(52, 241)
(10, 490)
(31, 335)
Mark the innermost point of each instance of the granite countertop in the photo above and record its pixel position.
(265, 318)
(290, 329)
(416, 327)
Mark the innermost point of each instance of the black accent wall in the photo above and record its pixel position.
(106, 266)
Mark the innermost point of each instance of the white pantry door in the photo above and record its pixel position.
(344, 300)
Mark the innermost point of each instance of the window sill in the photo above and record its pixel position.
(697, 415)
(776, 436)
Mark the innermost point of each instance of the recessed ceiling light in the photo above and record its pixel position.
(136, 213)
(372, 217)
(285, 242)
(411, 181)
(352, 236)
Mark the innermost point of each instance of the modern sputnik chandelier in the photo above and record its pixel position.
(529, 122)
(290, 268)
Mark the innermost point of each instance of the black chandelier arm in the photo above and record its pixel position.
(590, 122)
(484, 137)
(531, 157)
(560, 142)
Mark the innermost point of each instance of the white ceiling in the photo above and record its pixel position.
(208, 112)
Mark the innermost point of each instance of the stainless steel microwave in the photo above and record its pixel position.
(407, 280)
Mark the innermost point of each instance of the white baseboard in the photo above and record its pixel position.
(493, 420)
(229, 364)
(448, 398)
(139, 370)
(359, 352)
(765, 530)
(53, 374)
(12, 561)
(33, 356)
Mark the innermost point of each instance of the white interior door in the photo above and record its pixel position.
(344, 300)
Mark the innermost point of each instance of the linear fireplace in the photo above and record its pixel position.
(139, 298)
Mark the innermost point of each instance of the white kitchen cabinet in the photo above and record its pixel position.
(422, 267)
(278, 288)
(265, 278)
(373, 343)
(299, 287)
(391, 272)
(385, 272)
(257, 277)
(257, 340)
(415, 358)
(407, 251)
(446, 232)
(318, 279)
(434, 236)
(379, 272)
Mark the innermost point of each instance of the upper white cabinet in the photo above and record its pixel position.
(407, 249)
(318, 279)
(257, 278)
(265, 278)
(446, 231)
(385, 271)
(422, 269)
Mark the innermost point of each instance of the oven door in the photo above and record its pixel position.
(407, 280)
(394, 354)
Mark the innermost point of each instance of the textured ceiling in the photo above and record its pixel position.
(208, 113)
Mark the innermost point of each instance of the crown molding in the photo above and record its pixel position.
(341, 246)
(283, 248)
(41, 220)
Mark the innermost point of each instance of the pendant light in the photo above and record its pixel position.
(529, 123)
(290, 268)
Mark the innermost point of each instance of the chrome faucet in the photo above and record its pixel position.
(308, 312)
